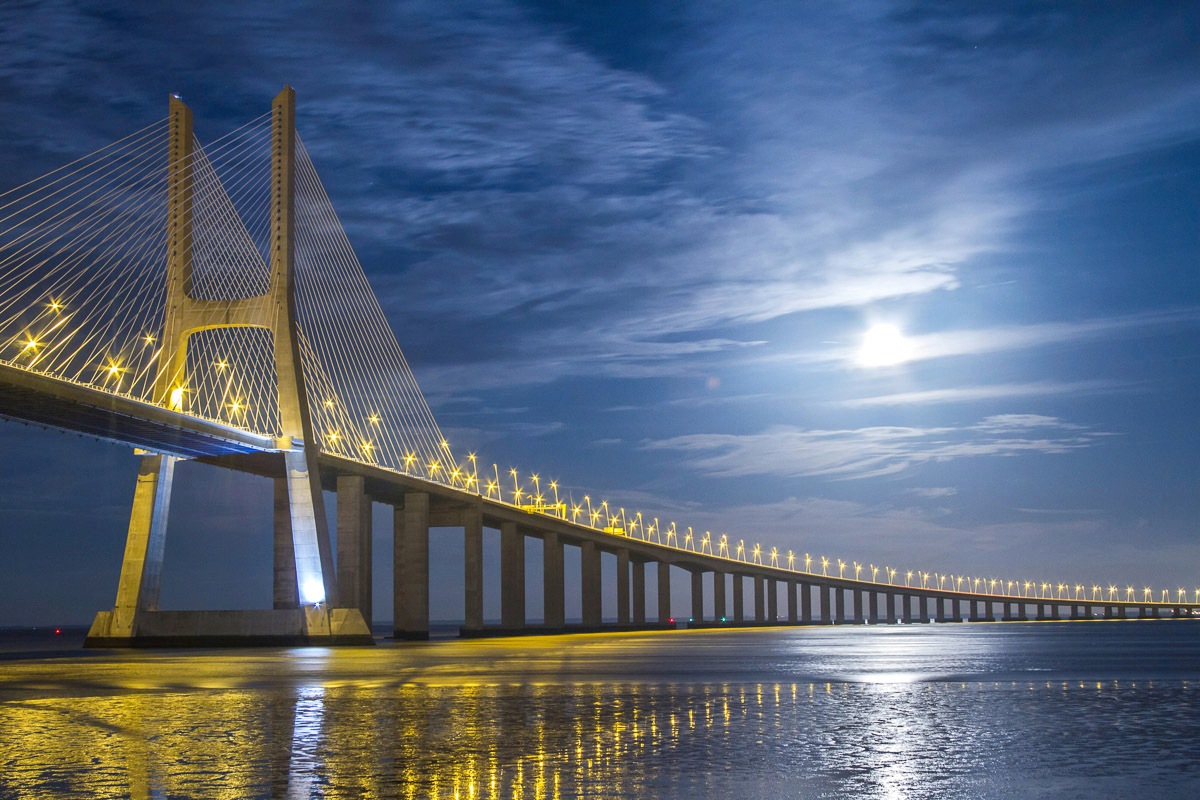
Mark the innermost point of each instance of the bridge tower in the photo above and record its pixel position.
(306, 608)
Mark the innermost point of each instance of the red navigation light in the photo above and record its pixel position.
(671, 620)
(58, 631)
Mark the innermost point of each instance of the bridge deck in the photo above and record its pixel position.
(42, 400)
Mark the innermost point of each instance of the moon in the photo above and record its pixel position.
(884, 345)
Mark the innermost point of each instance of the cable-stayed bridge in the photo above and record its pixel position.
(203, 302)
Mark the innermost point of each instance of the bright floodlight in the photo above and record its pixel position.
(883, 345)
(312, 591)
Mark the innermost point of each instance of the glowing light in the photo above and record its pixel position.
(373, 419)
(55, 305)
(221, 364)
(148, 338)
(312, 591)
(883, 345)
(175, 402)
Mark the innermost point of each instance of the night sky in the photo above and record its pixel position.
(637, 248)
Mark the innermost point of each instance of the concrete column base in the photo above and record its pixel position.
(293, 627)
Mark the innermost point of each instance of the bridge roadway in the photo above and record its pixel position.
(420, 505)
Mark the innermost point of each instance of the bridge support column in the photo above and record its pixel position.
(472, 522)
(622, 586)
(960, 610)
(141, 568)
(720, 611)
(590, 601)
(739, 600)
(512, 577)
(792, 610)
(553, 581)
(806, 604)
(664, 591)
(873, 606)
(354, 544)
(772, 600)
(639, 593)
(411, 557)
(1121, 612)
(858, 607)
(824, 597)
(839, 605)
(923, 602)
(697, 612)
(285, 594)
(760, 609)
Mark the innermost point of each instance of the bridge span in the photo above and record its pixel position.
(205, 303)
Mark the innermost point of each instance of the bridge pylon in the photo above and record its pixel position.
(306, 608)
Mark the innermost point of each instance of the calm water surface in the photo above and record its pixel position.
(1040, 710)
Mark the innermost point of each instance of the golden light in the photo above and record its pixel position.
(221, 364)
(373, 419)
(883, 345)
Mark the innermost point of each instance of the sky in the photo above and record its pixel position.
(638, 247)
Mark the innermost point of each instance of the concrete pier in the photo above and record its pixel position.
(553, 581)
(512, 577)
(622, 586)
(639, 592)
(720, 612)
(664, 592)
(590, 596)
(697, 609)
(411, 568)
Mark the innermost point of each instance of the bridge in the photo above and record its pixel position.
(203, 302)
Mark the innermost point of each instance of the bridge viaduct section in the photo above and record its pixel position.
(807, 599)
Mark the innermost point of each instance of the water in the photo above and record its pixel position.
(1040, 710)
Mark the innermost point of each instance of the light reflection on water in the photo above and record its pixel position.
(1031, 711)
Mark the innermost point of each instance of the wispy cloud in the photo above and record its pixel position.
(934, 492)
(969, 394)
(876, 451)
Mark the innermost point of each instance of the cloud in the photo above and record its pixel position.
(968, 394)
(934, 492)
(872, 452)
